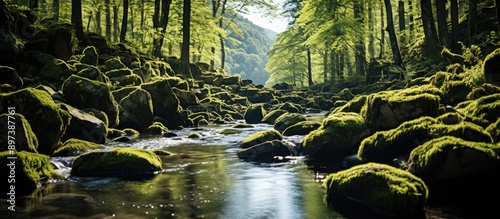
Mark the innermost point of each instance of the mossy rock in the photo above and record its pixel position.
(345, 94)
(114, 133)
(380, 187)
(136, 110)
(494, 130)
(114, 63)
(230, 131)
(56, 70)
(242, 125)
(355, 105)
(288, 119)
(485, 108)
(32, 170)
(491, 67)
(16, 126)
(291, 108)
(84, 126)
(116, 162)
(267, 151)
(448, 157)
(85, 93)
(91, 72)
(270, 118)
(483, 90)
(455, 92)
(337, 137)
(301, 128)
(47, 120)
(9, 75)
(157, 128)
(387, 110)
(260, 137)
(74, 147)
(165, 104)
(90, 56)
(254, 113)
(194, 135)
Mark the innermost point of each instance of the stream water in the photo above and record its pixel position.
(204, 180)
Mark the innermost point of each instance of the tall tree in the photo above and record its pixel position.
(497, 6)
(107, 12)
(472, 19)
(411, 17)
(309, 68)
(442, 15)
(428, 23)
(455, 48)
(402, 22)
(160, 21)
(360, 44)
(396, 55)
(186, 24)
(123, 32)
(55, 9)
(382, 32)
(76, 19)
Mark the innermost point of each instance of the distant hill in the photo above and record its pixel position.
(249, 58)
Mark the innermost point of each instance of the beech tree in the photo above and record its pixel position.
(396, 55)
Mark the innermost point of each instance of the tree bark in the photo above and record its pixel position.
(360, 44)
(221, 39)
(382, 32)
(497, 6)
(215, 8)
(309, 68)
(160, 20)
(402, 22)
(98, 28)
(123, 32)
(428, 23)
(55, 9)
(412, 19)
(455, 48)
(325, 64)
(107, 11)
(186, 23)
(442, 22)
(76, 19)
(472, 19)
(396, 55)
(116, 27)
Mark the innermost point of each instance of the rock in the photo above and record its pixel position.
(56, 70)
(186, 98)
(91, 72)
(84, 126)
(114, 63)
(165, 104)
(267, 151)
(288, 119)
(271, 116)
(90, 56)
(15, 125)
(123, 77)
(390, 191)
(291, 107)
(75, 147)
(47, 120)
(117, 162)
(9, 75)
(355, 105)
(60, 39)
(337, 137)
(85, 93)
(10, 48)
(157, 128)
(491, 67)
(485, 108)
(301, 128)
(260, 137)
(254, 113)
(136, 110)
(31, 171)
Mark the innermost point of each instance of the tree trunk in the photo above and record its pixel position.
(442, 22)
(360, 44)
(497, 6)
(215, 8)
(309, 68)
(221, 39)
(371, 26)
(88, 22)
(382, 32)
(33, 4)
(402, 23)
(55, 9)
(396, 55)
(76, 18)
(455, 48)
(161, 20)
(341, 63)
(123, 31)
(98, 28)
(333, 65)
(325, 64)
(115, 23)
(428, 23)
(107, 11)
(186, 20)
(412, 20)
(472, 19)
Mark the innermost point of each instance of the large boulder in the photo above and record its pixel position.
(75, 147)
(18, 134)
(271, 116)
(486, 108)
(288, 119)
(267, 151)
(56, 70)
(57, 39)
(491, 67)
(254, 113)
(388, 109)
(9, 75)
(136, 110)
(260, 137)
(384, 189)
(165, 104)
(337, 137)
(117, 162)
(84, 126)
(27, 172)
(85, 93)
(47, 120)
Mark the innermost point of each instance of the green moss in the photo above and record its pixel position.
(90, 56)
(491, 66)
(116, 162)
(486, 108)
(114, 63)
(98, 114)
(230, 131)
(455, 92)
(301, 128)
(25, 138)
(242, 125)
(56, 70)
(494, 130)
(429, 159)
(382, 187)
(337, 137)
(255, 113)
(194, 135)
(73, 146)
(260, 137)
(353, 105)
(291, 108)
(156, 128)
(270, 118)
(288, 119)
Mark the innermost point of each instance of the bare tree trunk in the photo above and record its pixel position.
(161, 20)
(186, 33)
(412, 20)
(382, 32)
(309, 68)
(371, 26)
(442, 22)
(88, 22)
(107, 11)
(497, 6)
(360, 44)
(98, 28)
(472, 19)
(428, 23)
(123, 32)
(215, 8)
(115, 23)
(455, 48)
(55, 9)
(402, 23)
(325, 64)
(76, 19)
(221, 39)
(396, 55)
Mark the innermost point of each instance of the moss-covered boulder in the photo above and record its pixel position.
(47, 120)
(90, 56)
(136, 110)
(337, 137)
(494, 130)
(165, 104)
(57, 39)
(267, 151)
(260, 137)
(84, 126)
(91, 72)
(254, 113)
(301, 128)
(387, 110)
(56, 70)
(491, 67)
(385, 146)
(31, 170)
(10, 47)
(385, 189)
(85, 93)
(123, 77)
(485, 108)
(291, 107)
(271, 116)
(18, 130)
(9, 75)
(483, 90)
(354, 105)
(186, 98)
(75, 147)
(114, 63)
(157, 128)
(116, 162)
(288, 119)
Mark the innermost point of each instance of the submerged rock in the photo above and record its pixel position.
(267, 151)
(74, 147)
(117, 162)
(260, 137)
(382, 188)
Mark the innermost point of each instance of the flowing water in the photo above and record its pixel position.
(205, 179)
